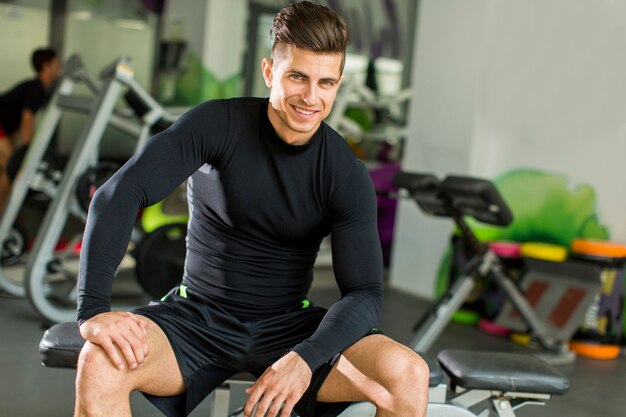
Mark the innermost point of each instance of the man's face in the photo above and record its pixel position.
(53, 68)
(303, 86)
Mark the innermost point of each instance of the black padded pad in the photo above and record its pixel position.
(499, 371)
(60, 345)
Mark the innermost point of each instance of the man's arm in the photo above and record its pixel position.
(27, 127)
(358, 267)
(167, 159)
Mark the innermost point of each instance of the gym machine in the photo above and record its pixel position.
(456, 197)
(35, 175)
(49, 286)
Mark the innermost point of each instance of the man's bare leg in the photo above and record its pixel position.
(104, 390)
(383, 372)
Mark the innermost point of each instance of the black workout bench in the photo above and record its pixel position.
(476, 375)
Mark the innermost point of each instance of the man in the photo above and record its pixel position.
(19, 105)
(267, 181)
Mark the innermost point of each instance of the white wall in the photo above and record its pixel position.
(553, 96)
(225, 37)
(95, 33)
(447, 60)
(23, 28)
(500, 84)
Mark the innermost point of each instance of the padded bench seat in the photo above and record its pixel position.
(60, 345)
(498, 371)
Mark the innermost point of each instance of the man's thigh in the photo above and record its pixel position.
(161, 375)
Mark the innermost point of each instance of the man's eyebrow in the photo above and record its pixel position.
(297, 72)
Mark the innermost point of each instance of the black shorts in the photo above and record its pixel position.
(211, 345)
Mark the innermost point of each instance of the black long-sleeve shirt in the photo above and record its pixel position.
(259, 209)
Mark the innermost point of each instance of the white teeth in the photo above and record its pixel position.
(306, 112)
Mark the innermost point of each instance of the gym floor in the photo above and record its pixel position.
(29, 389)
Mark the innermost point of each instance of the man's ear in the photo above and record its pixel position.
(266, 67)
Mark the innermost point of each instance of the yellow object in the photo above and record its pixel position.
(520, 338)
(154, 217)
(545, 251)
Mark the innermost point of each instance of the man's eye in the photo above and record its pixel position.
(296, 77)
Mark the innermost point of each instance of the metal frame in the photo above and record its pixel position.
(84, 154)
(74, 73)
(118, 77)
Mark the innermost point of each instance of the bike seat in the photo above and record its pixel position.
(499, 371)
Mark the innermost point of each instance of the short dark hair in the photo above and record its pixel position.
(310, 26)
(42, 56)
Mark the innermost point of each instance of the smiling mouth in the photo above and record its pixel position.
(304, 112)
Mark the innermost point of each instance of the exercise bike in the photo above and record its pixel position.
(50, 277)
(457, 197)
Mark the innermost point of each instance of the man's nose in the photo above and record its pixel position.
(309, 94)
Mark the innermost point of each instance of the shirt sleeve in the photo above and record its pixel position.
(358, 268)
(163, 164)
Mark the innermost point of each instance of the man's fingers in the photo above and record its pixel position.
(142, 322)
(140, 333)
(123, 336)
(255, 392)
(290, 403)
(276, 405)
(127, 352)
(113, 354)
(271, 401)
(264, 405)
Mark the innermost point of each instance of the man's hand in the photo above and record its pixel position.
(122, 335)
(281, 385)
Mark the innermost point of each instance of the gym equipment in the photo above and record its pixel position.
(459, 196)
(160, 259)
(545, 251)
(492, 381)
(38, 170)
(601, 332)
(560, 292)
(31, 174)
(14, 246)
(50, 291)
(92, 179)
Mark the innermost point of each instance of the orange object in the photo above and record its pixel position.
(594, 350)
(600, 248)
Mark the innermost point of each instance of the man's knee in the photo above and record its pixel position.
(96, 372)
(411, 388)
(410, 370)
